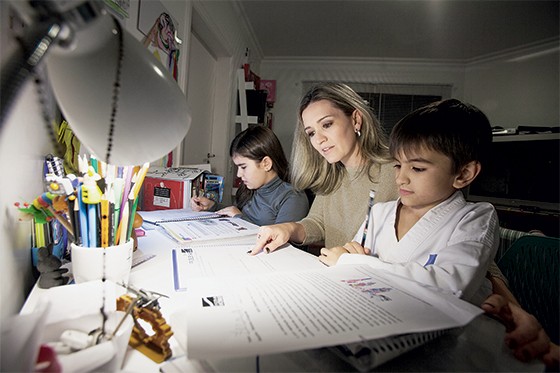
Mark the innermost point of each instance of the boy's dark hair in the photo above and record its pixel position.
(458, 130)
(255, 143)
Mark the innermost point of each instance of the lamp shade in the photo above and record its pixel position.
(152, 116)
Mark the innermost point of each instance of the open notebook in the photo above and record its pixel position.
(158, 217)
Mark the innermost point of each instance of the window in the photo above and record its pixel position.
(391, 102)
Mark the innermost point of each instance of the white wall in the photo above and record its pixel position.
(289, 75)
(520, 89)
(519, 92)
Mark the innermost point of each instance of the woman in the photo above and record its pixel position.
(265, 197)
(341, 154)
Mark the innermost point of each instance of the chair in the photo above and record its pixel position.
(532, 268)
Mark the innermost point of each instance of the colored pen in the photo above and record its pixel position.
(123, 225)
(104, 208)
(76, 220)
(83, 220)
(92, 225)
(370, 205)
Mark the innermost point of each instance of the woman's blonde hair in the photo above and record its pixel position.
(310, 170)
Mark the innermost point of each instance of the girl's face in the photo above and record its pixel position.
(424, 179)
(254, 174)
(332, 133)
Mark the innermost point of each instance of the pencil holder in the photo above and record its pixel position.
(90, 263)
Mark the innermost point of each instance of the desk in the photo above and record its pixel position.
(476, 347)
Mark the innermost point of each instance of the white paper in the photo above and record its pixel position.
(232, 260)
(78, 300)
(162, 216)
(186, 232)
(287, 311)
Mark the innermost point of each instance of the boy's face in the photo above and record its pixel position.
(424, 178)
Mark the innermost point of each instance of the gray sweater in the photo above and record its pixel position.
(276, 202)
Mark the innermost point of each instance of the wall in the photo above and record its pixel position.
(511, 89)
(289, 75)
(519, 88)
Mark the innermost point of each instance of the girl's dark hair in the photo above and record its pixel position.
(255, 143)
(456, 129)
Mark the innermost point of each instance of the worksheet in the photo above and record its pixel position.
(232, 259)
(186, 232)
(292, 310)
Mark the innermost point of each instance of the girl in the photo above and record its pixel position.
(265, 197)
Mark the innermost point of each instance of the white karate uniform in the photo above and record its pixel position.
(450, 247)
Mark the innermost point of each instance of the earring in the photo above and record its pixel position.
(358, 133)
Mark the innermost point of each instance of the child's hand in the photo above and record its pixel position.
(201, 204)
(330, 256)
(355, 248)
(230, 211)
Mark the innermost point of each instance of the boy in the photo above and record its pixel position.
(431, 234)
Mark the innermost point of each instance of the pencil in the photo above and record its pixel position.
(370, 205)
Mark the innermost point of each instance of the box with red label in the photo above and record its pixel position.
(171, 187)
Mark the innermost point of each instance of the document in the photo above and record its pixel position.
(292, 310)
(172, 215)
(222, 260)
(185, 232)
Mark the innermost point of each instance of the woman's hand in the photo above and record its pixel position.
(201, 204)
(271, 237)
(230, 211)
(330, 256)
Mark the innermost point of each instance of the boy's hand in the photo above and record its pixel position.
(330, 256)
(355, 248)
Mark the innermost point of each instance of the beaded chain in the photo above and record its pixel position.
(40, 88)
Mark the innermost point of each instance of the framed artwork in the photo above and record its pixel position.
(160, 34)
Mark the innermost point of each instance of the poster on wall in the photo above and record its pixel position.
(160, 37)
(160, 34)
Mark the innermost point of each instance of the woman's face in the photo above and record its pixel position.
(254, 174)
(332, 133)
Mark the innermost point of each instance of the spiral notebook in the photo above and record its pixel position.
(367, 355)
(158, 217)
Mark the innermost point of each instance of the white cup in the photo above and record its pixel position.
(91, 263)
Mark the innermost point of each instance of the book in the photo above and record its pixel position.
(188, 231)
(158, 217)
(214, 187)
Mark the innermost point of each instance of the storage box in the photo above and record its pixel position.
(171, 187)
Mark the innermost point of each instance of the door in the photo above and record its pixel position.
(200, 97)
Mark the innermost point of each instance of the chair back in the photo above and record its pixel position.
(532, 268)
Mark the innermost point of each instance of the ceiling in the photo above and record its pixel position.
(460, 30)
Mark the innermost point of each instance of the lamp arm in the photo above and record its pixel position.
(30, 50)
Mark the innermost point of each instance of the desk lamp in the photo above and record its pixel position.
(121, 103)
